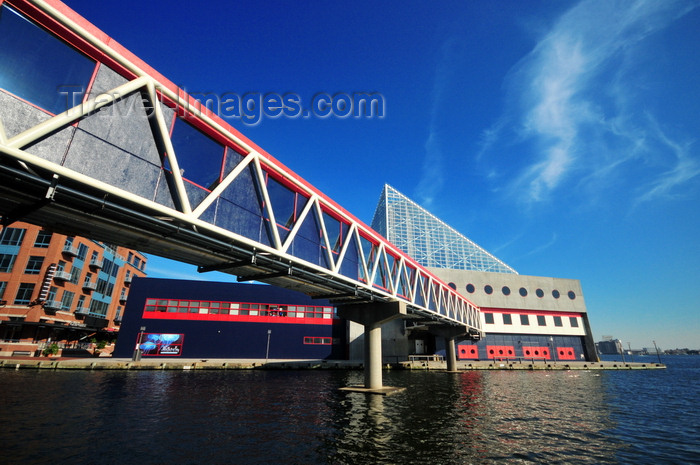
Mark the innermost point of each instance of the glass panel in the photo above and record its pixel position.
(198, 155)
(283, 202)
(37, 66)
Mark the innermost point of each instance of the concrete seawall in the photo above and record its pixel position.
(238, 364)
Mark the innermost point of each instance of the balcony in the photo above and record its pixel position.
(97, 263)
(81, 311)
(128, 279)
(52, 306)
(118, 320)
(61, 275)
(70, 250)
(89, 286)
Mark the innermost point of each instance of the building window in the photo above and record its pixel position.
(541, 321)
(104, 287)
(505, 290)
(488, 289)
(43, 239)
(507, 320)
(98, 308)
(67, 300)
(318, 340)
(573, 321)
(555, 294)
(24, 293)
(539, 293)
(12, 236)
(557, 321)
(34, 265)
(6, 262)
(470, 288)
(53, 290)
(572, 295)
(75, 274)
(53, 66)
(452, 285)
(3, 286)
(523, 292)
(82, 251)
(488, 318)
(525, 320)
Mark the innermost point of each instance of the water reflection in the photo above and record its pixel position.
(257, 417)
(479, 417)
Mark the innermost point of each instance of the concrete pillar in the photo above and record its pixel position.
(449, 333)
(372, 316)
(373, 356)
(450, 354)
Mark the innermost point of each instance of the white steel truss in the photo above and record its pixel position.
(378, 267)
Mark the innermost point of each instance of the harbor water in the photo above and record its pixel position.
(301, 417)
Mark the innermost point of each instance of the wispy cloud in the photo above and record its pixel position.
(541, 248)
(569, 108)
(432, 179)
(683, 166)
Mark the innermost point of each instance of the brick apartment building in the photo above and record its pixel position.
(60, 289)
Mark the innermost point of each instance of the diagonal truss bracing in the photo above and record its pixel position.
(293, 234)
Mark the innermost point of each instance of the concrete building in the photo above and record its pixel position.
(526, 317)
(60, 289)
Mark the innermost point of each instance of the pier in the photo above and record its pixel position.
(102, 363)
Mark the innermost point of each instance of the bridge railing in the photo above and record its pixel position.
(132, 135)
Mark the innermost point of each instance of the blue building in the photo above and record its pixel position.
(200, 319)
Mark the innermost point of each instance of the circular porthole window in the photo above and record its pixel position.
(572, 295)
(488, 289)
(539, 293)
(452, 285)
(506, 290)
(470, 288)
(555, 294)
(523, 292)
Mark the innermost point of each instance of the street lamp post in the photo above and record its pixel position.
(267, 351)
(137, 350)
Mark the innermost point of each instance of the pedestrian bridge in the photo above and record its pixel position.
(95, 142)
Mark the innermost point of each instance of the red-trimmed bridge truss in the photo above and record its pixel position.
(137, 162)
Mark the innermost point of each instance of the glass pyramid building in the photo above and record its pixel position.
(427, 239)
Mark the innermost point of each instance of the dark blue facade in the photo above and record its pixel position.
(229, 339)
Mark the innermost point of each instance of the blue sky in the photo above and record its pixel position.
(560, 136)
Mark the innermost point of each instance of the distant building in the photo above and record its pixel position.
(609, 346)
(62, 289)
(526, 317)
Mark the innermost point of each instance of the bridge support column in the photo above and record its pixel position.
(372, 316)
(450, 354)
(450, 333)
